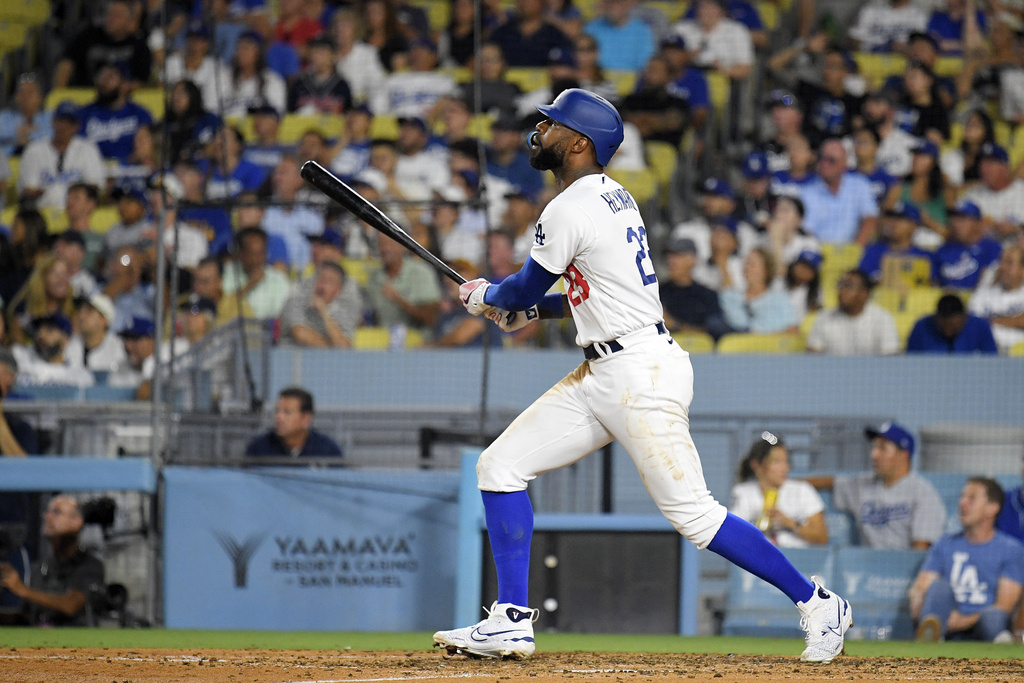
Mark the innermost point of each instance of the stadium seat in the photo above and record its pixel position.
(769, 13)
(56, 219)
(905, 322)
(79, 96)
(11, 193)
(384, 126)
(642, 184)
(695, 342)
(753, 608)
(876, 581)
(480, 128)
(842, 529)
(1017, 350)
(624, 80)
(7, 216)
(103, 219)
(889, 298)
(949, 66)
(294, 126)
(371, 338)
(103, 393)
(663, 159)
(741, 342)
(807, 323)
(1003, 132)
(28, 12)
(841, 257)
(527, 78)
(876, 67)
(152, 100)
(923, 300)
(437, 13)
(13, 34)
(719, 90)
(359, 269)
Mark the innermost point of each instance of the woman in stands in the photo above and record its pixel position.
(760, 308)
(185, 117)
(589, 73)
(789, 512)
(47, 291)
(961, 165)
(27, 245)
(253, 83)
(925, 188)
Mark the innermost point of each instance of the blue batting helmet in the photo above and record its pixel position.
(590, 115)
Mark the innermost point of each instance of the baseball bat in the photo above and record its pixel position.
(332, 186)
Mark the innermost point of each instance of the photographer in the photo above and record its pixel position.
(60, 586)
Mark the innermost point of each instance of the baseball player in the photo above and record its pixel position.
(635, 386)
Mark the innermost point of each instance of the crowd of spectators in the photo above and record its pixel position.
(919, 174)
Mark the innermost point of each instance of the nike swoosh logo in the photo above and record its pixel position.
(475, 632)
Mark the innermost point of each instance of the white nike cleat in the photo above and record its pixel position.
(825, 617)
(506, 632)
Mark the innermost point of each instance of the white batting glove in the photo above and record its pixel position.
(510, 321)
(472, 295)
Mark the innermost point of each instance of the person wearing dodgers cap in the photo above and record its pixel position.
(95, 345)
(894, 507)
(968, 250)
(45, 361)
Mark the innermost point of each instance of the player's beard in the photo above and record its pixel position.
(547, 158)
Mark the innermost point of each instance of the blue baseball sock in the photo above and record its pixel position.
(510, 530)
(744, 545)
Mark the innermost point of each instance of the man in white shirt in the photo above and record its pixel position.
(896, 147)
(1002, 302)
(413, 91)
(44, 362)
(358, 62)
(416, 170)
(856, 327)
(1000, 196)
(95, 346)
(50, 167)
(886, 25)
(718, 42)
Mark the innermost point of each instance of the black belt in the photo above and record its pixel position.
(613, 346)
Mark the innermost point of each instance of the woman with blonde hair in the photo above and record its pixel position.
(47, 291)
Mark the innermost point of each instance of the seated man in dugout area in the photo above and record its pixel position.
(293, 435)
(971, 582)
(60, 586)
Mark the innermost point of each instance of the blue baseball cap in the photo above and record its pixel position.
(716, 187)
(195, 304)
(254, 36)
(926, 146)
(138, 327)
(811, 258)
(58, 320)
(561, 56)
(729, 224)
(991, 150)
(329, 236)
(904, 210)
(755, 166)
(965, 208)
(894, 432)
(208, 128)
(66, 110)
(197, 29)
(130, 192)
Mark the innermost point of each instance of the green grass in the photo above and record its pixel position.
(551, 642)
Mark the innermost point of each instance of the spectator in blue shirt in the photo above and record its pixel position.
(293, 435)
(865, 148)
(688, 82)
(26, 121)
(951, 330)
(623, 41)
(897, 227)
(111, 120)
(840, 205)
(949, 28)
(507, 157)
(527, 38)
(227, 173)
(967, 252)
(266, 151)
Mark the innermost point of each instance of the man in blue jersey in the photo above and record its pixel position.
(112, 119)
(971, 582)
(967, 252)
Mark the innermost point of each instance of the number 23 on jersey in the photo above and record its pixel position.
(577, 287)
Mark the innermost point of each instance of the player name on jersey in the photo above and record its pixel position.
(619, 200)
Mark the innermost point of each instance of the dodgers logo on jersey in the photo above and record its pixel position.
(538, 236)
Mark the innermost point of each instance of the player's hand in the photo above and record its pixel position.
(472, 295)
(511, 321)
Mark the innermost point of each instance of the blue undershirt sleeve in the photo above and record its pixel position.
(523, 289)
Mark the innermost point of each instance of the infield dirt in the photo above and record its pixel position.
(40, 665)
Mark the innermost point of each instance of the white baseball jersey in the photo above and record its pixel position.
(593, 234)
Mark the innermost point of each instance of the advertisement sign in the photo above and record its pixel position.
(287, 549)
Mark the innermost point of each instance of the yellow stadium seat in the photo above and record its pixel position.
(889, 298)
(103, 219)
(642, 184)
(841, 257)
(876, 67)
(807, 323)
(949, 66)
(1017, 350)
(480, 128)
(371, 338)
(663, 159)
(413, 339)
(437, 12)
(152, 100)
(588, 8)
(624, 80)
(7, 216)
(359, 269)
(672, 9)
(1003, 132)
(742, 342)
(29, 12)
(384, 126)
(527, 78)
(695, 342)
(905, 322)
(769, 13)
(922, 301)
(294, 126)
(56, 219)
(79, 96)
(461, 74)
(11, 194)
(956, 135)
(13, 33)
(1016, 149)
(719, 90)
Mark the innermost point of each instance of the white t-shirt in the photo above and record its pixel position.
(593, 234)
(728, 43)
(413, 93)
(797, 500)
(213, 78)
(192, 245)
(106, 357)
(246, 93)
(82, 163)
(34, 371)
(872, 333)
(1005, 205)
(417, 174)
(896, 152)
(995, 302)
(880, 24)
(362, 70)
